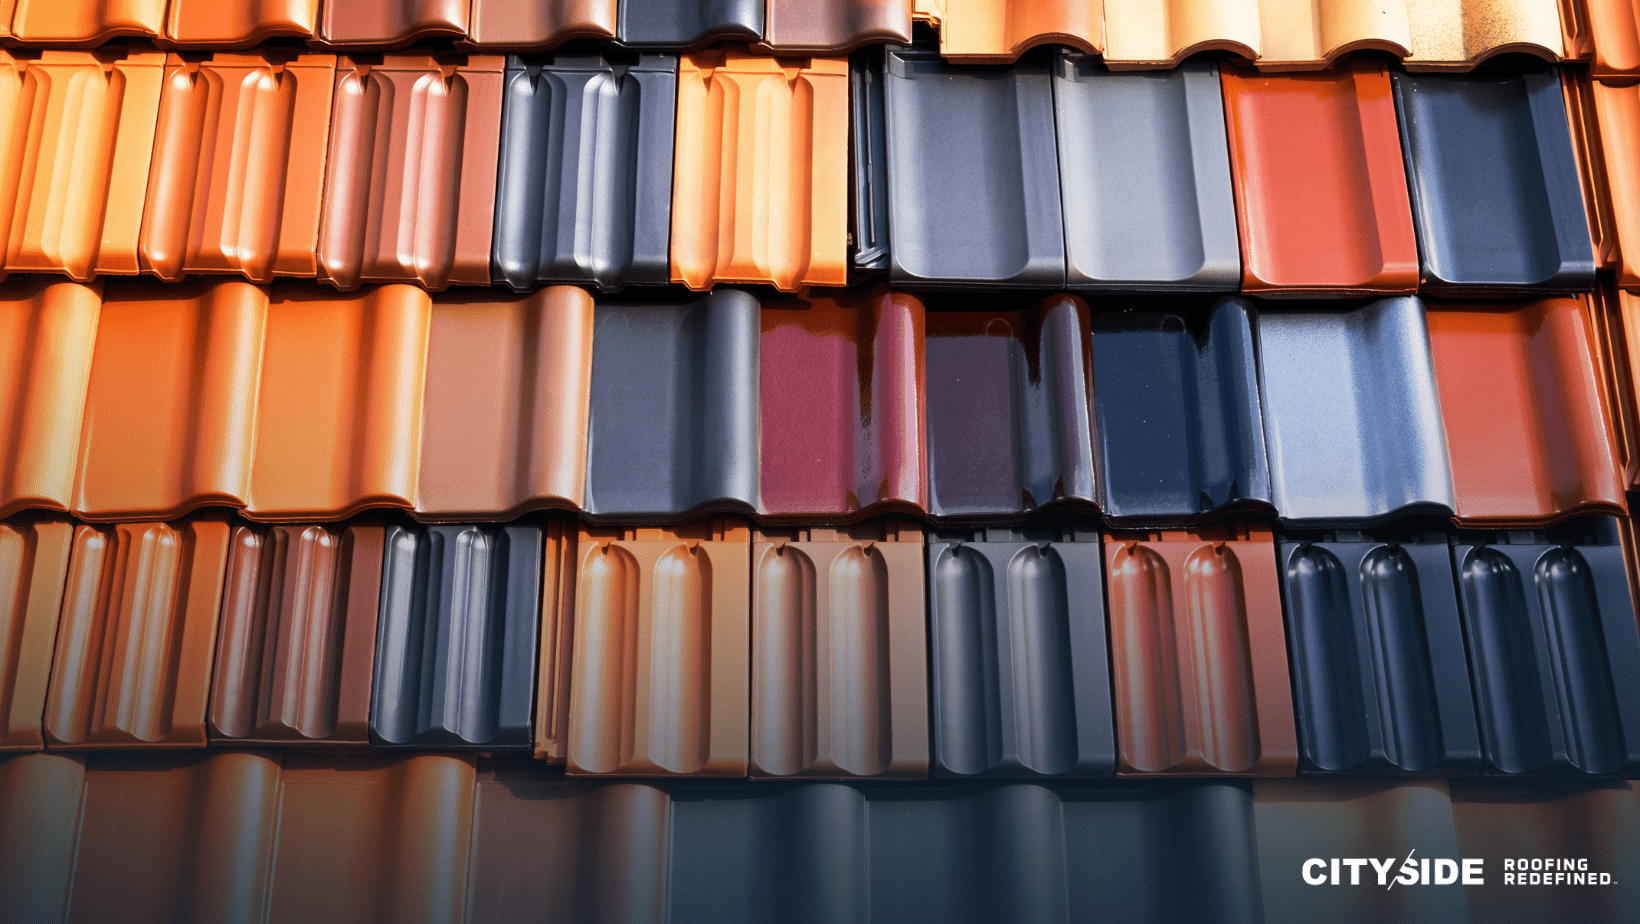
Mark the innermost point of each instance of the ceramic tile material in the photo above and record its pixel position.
(239, 161)
(760, 191)
(527, 24)
(807, 26)
(1609, 322)
(1199, 663)
(1490, 225)
(1625, 311)
(976, 208)
(504, 419)
(390, 23)
(1579, 97)
(998, 31)
(48, 328)
(456, 637)
(296, 635)
(86, 23)
(340, 402)
(559, 560)
(39, 799)
(1282, 36)
(1178, 420)
(214, 24)
(660, 680)
(586, 172)
(1017, 636)
(1145, 177)
(1008, 397)
(1553, 649)
(673, 423)
(1352, 414)
(1321, 189)
(1459, 34)
(33, 569)
(868, 161)
(1373, 630)
(840, 410)
(839, 653)
(1528, 425)
(680, 25)
(1614, 27)
(78, 128)
(1618, 175)
(132, 667)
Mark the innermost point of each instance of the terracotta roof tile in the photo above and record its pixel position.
(683, 24)
(997, 31)
(48, 328)
(1614, 363)
(1458, 34)
(1617, 170)
(215, 24)
(1581, 111)
(529, 24)
(33, 569)
(559, 562)
(85, 23)
(760, 191)
(835, 25)
(390, 23)
(1315, 33)
(1162, 34)
(411, 176)
(1614, 27)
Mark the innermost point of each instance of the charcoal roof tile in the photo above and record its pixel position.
(83, 23)
(868, 161)
(48, 331)
(835, 25)
(527, 24)
(679, 25)
(33, 570)
(216, 25)
(390, 23)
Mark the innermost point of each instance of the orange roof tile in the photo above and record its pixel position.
(997, 31)
(552, 687)
(47, 331)
(1161, 33)
(1313, 34)
(834, 25)
(1581, 116)
(1614, 27)
(33, 568)
(82, 22)
(410, 185)
(760, 189)
(76, 132)
(532, 25)
(1459, 34)
(390, 23)
(1616, 165)
(238, 23)
(239, 159)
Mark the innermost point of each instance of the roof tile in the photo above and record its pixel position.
(1617, 173)
(1458, 34)
(559, 562)
(998, 31)
(1200, 671)
(214, 24)
(868, 160)
(835, 25)
(761, 171)
(48, 329)
(1162, 34)
(87, 23)
(390, 23)
(1614, 27)
(679, 25)
(1617, 327)
(39, 807)
(530, 24)
(33, 569)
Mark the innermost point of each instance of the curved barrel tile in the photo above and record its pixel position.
(214, 24)
(389, 23)
(530, 25)
(679, 25)
(1160, 34)
(998, 31)
(1459, 34)
(831, 26)
(48, 336)
(80, 23)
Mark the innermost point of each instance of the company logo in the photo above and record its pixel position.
(1440, 871)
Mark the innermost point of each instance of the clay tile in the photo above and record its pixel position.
(1200, 665)
(761, 176)
(33, 568)
(1459, 34)
(817, 26)
(40, 796)
(410, 181)
(72, 184)
(390, 23)
(680, 25)
(134, 646)
(585, 186)
(170, 414)
(998, 31)
(338, 418)
(1321, 190)
(1581, 110)
(86, 23)
(528, 24)
(504, 423)
(840, 410)
(1609, 321)
(1614, 27)
(48, 329)
(1617, 173)
(1160, 33)
(559, 560)
(239, 159)
(297, 635)
(1526, 420)
(660, 677)
(215, 24)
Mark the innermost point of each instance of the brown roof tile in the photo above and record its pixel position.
(236, 23)
(33, 569)
(552, 687)
(532, 25)
(997, 31)
(40, 805)
(81, 22)
(48, 328)
(390, 23)
(835, 25)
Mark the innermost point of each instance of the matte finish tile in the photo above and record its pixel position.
(1374, 633)
(214, 24)
(1489, 224)
(1321, 189)
(504, 418)
(84, 23)
(410, 180)
(967, 207)
(662, 637)
(340, 402)
(132, 667)
(1553, 650)
(528, 24)
(673, 425)
(760, 191)
(586, 172)
(1614, 27)
(680, 25)
(559, 560)
(835, 25)
(1352, 414)
(868, 160)
(239, 161)
(79, 130)
(1178, 419)
(48, 330)
(33, 570)
(998, 31)
(1528, 428)
(1200, 667)
(297, 635)
(456, 637)
(1021, 683)
(39, 804)
(1308, 35)
(1009, 423)
(170, 414)
(840, 409)
(1145, 178)
(1616, 166)
(839, 653)
(1459, 34)
(390, 23)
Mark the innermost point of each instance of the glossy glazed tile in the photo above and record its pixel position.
(1313, 34)
(679, 25)
(1614, 27)
(998, 31)
(504, 419)
(585, 186)
(840, 410)
(33, 570)
(1617, 173)
(1459, 34)
(1609, 321)
(1008, 400)
(760, 176)
(1021, 683)
(390, 23)
(1321, 189)
(817, 26)
(660, 680)
(48, 331)
(1198, 659)
(410, 180)
(868, 161)
(1528, 426)
(83, 23)
(839, 653)
(1581, 109)
(76, 132)
(560, 558)
(527, 24)
(214, 24)
(132, 666)
(297, 635)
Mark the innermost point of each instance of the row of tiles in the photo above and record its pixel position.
(727, 167)
(136, 401)
(248, 838)
(715, 650)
